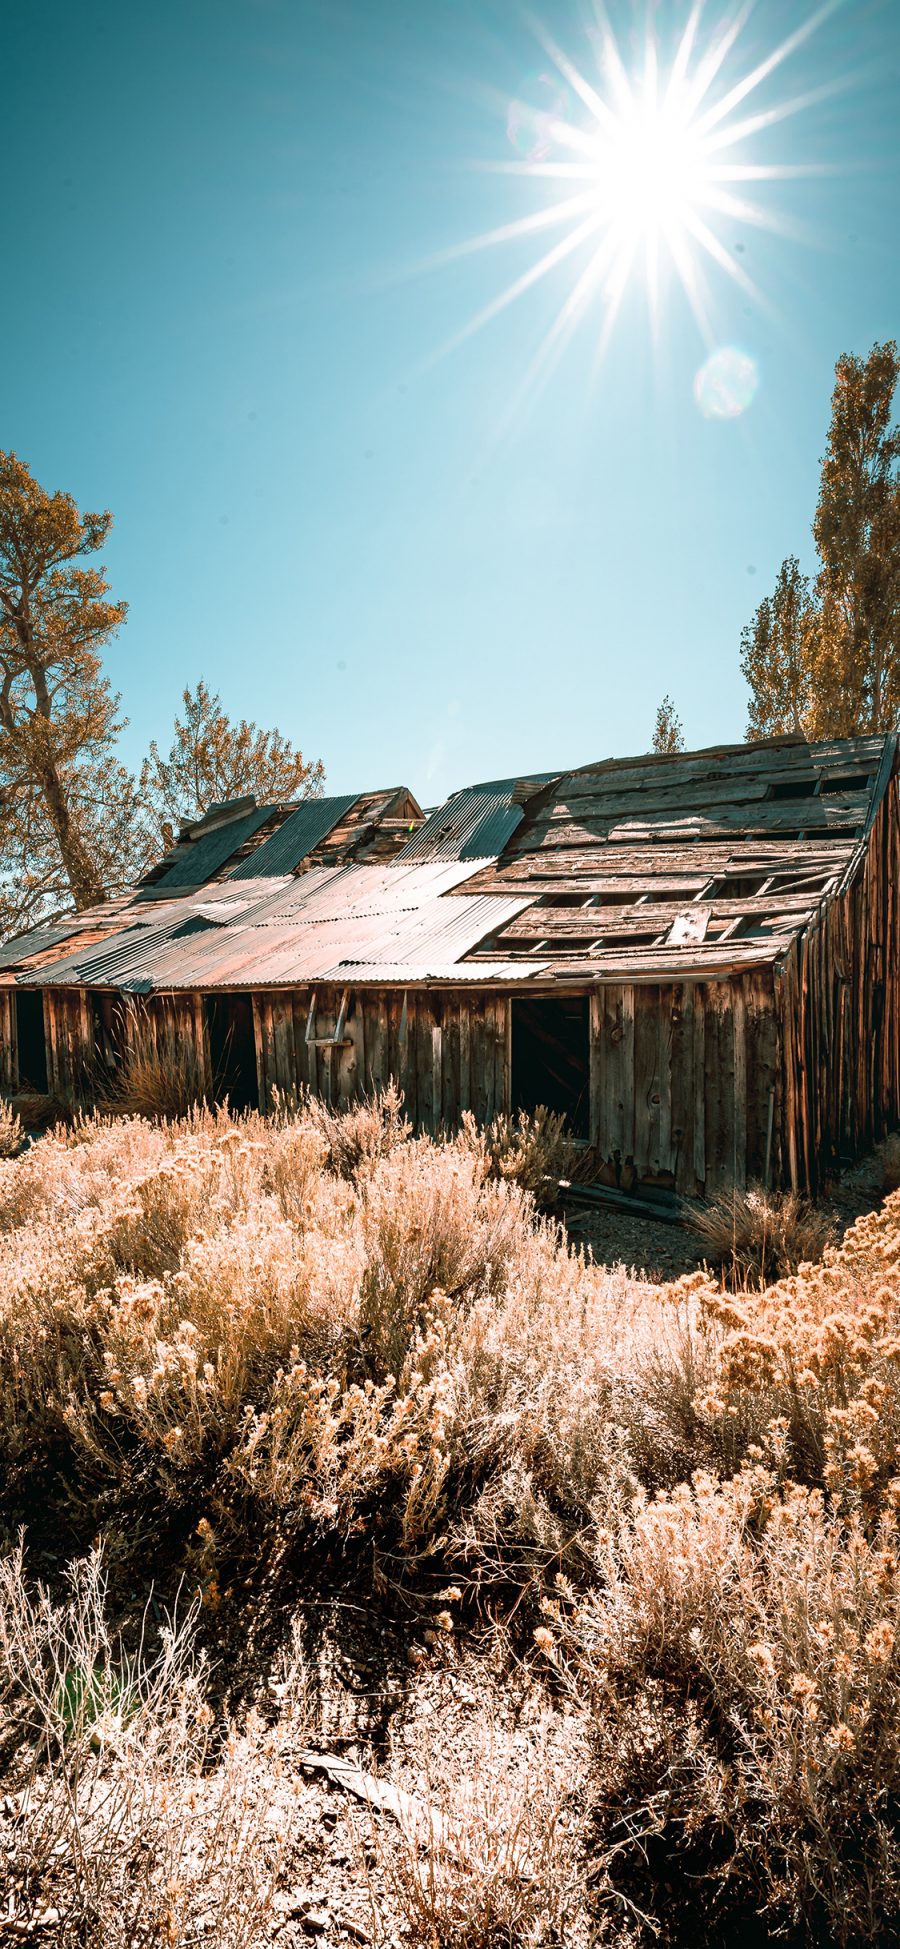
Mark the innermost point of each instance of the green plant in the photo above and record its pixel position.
(135, 1823)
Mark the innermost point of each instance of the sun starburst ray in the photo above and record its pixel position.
(655, 148)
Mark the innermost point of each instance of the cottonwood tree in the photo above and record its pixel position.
(825, 661)
(212, 759)
(778, 654)
(857, 535)
(69, 825)
(667, 731)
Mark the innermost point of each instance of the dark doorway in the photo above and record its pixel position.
(551, 1057)
(31, 1040)
(108, 1021)
(232, 1050)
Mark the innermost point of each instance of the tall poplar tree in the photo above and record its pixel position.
(668, 735)
(777, 651)
(825, 661)
(857, 535)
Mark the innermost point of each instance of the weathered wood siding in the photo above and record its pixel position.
(69, 1039)
(448, 1052)
(680, 1080)
(840, 1005)
(9, 1060)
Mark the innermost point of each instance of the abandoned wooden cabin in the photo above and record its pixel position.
(695, 957)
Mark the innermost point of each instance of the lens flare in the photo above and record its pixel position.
(726, 384)
(652, 158)
(531, 118)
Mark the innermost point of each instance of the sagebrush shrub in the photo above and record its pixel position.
(137, 1820)
(759, 1236)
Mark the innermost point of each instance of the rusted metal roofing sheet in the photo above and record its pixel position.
(205, 856)
(302, 830)
(474, 824)
(297, 931)
(355, 973)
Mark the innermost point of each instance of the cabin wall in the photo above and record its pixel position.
(447, 1052)
(682, 1076)
(839, 1000)
(9, 1063)
(69, 1038)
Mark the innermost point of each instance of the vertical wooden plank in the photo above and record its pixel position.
(646, 1083)
(351, 1061)
(739, 1036)
(7, 1039)
(86, 1062)
(283, 1044)
(299, 1015)
(437, 1065)
(423, 1061)
(482, 1060)
(665, 1005)
(719, 1087)
(596, 1018)
(406, 1051)
(698, 1000)
(682, 1088)
(262, 1023)
(501, 1055)
(465, 1053)
(450, 1062)
(55, 1078)
(377, 1067)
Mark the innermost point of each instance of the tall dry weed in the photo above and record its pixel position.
(132, 1819)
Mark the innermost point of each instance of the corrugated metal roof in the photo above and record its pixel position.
(203, 857)
(296, 838)
(474, 824)
(366, 917)
(36, 941)
(355, 972)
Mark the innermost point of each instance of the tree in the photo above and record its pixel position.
(667, 733)
(826, 662)
(103, 800)
(58, 715)
(777, 654)
(857, 534)
(212, 759)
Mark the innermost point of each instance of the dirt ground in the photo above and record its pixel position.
(658, 1252)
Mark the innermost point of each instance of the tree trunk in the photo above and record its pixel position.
(85, 885)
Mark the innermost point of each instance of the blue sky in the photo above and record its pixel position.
(222, 321)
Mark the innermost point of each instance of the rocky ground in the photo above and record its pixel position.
(658, 1252)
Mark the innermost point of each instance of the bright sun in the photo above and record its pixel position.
(653, 160)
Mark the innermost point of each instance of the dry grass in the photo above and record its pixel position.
(286, 1336)
(757, 1236)
(159, 1076)
(120, 1830)
(490, 1855)
(533, 1152)
(11, 1132)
